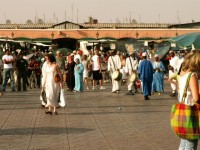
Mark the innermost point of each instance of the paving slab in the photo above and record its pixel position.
(92, 120)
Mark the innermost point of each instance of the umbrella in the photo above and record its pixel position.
(187, 40)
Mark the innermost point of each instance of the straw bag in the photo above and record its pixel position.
(185, 119)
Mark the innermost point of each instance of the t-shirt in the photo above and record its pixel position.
(95, 63)
(8, 58)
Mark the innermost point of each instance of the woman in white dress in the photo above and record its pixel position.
(51, 87)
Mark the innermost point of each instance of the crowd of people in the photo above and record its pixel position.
(86, 71)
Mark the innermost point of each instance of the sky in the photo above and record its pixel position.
(106, 11)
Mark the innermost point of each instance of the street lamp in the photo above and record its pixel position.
(97, 35)
(137, 35)
(52, 35)
(176, 33)
(12, 35)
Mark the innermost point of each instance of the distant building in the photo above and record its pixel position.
(95, 25)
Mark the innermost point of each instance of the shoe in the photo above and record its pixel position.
(146, 98)
(118, 92)
(55, 113)
(93, 88)
(13, 90)
(129, 93)
(102, 88)
(87, 88)
(48, 112)
(42, 106)
(113, 91)
(159, 94)
(172, 94)
(152, 93)
(136, 91)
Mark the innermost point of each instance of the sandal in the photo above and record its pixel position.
(48, 112)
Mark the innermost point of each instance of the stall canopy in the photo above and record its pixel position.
(23, 39)
(162, 51)
(187, 40)
(42, 40)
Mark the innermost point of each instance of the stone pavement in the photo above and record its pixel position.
(92, 120)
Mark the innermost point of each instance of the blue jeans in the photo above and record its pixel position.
(188, 144)
(8, 73)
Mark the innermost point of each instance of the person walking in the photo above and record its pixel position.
(158, 76)
(96, 70)
(50, 86)
(70, 78)
(8, 71)
(131, 67)
(21, 66)
(85, 63)
(173, 69)
(114, 64)
(78, 72)
(145, 71)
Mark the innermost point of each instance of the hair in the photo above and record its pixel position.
(85, 57)
(192, 61)
(51, 58)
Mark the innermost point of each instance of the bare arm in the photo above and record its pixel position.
(172, 78)
(194, 87)
(99, 63)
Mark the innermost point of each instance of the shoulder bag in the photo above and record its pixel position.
(185, 121)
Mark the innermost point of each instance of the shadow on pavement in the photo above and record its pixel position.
(43, 131)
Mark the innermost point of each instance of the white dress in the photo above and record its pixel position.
(52, 88)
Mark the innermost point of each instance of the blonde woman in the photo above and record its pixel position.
(190, 66)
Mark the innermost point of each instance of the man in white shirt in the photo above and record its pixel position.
(96, 70)
(8, 70)
(131, 66)
(173, 69)
(114, 64)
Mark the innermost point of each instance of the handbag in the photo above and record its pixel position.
(57, 78)
(185, 121)
(62, 98)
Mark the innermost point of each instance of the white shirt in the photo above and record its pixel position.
(174, 63)
(131, 64)
(8, 58)
(114, 63)
(95, 64)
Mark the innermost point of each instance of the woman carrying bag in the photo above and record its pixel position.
(188, 97)
(52, 84)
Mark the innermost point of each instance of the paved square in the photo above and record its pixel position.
(92, 120)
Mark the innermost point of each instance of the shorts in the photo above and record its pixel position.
(97, 75)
